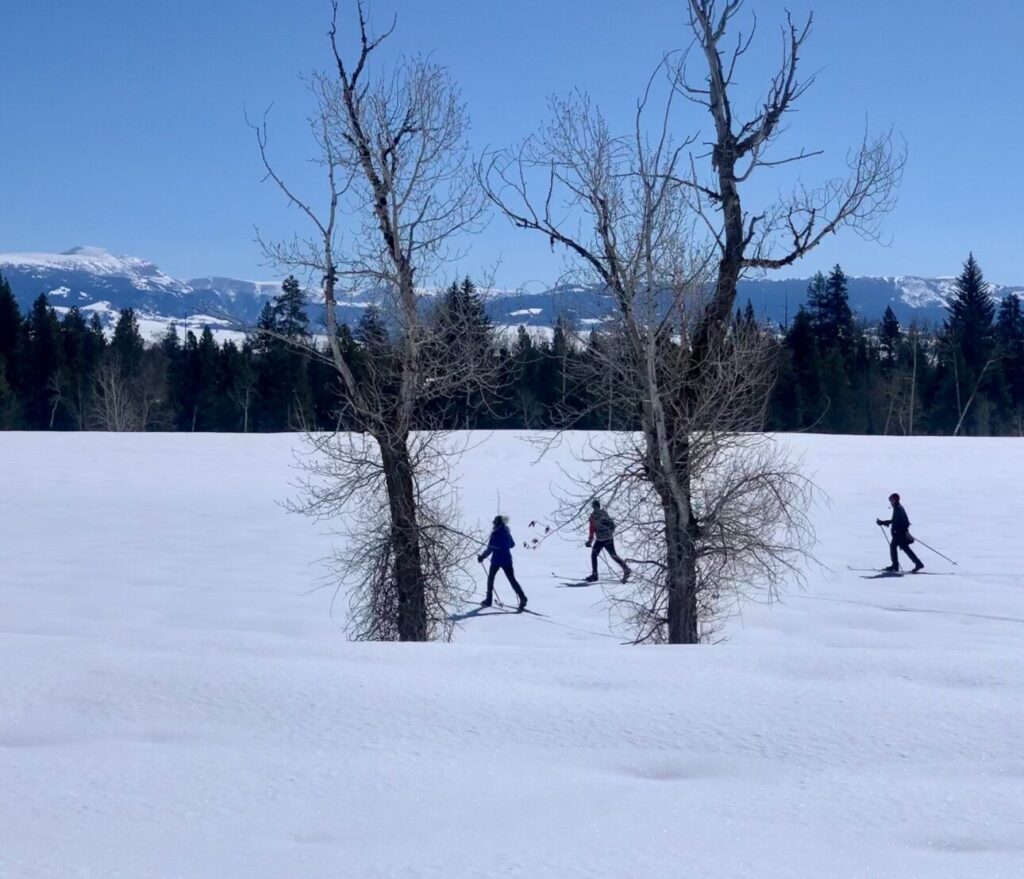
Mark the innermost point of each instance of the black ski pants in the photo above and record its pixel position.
(509, 573)
(900, 541)
(608, 545)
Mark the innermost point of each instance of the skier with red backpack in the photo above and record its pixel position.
(602, 536)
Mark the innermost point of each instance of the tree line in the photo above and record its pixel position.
(834, 374)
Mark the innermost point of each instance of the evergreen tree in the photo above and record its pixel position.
(784, 404)
(174, 360)
(802, 343)
(10, 327)
(526, 408)
(40, 386)
(889, 335)
(266, 328)
(190, 389)
(829, 303)
(462, 330)
(127, 343)
(967, 348)
(10, 333)
(836, 386)
(289, 311)
(1010, 341)
(971, 313)
(9, 418)
(745, 319)
(283, 400)
(80, 354)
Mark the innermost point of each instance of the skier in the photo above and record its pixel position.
(602, 527)
(499, 547)
(901, 538)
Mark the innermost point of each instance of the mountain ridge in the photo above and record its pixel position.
(96, 280)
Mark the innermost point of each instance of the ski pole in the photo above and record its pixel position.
(494, 588)
(885, 536)
(926, 546)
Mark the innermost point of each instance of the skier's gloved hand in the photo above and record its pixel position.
(480, 559)
(878, 521)
(588, 544)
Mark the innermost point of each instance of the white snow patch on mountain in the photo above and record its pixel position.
(919, 292)
(97, 261)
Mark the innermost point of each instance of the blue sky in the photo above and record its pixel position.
(121, 122)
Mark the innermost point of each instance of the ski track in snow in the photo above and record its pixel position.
(176, 699)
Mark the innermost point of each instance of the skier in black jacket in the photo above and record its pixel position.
(602, 536)
(499, 547)
(900, 527)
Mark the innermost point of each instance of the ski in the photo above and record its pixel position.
(513, 609)
(901, 573)
(493, 611)
(583, 581)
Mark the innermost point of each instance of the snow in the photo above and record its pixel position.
(100, 307)
(509, 332)
(154, 327)
(99, 262)
(176, 701)
(922, 292)
(526, 312)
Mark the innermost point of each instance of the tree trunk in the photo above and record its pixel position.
(668, 463)
(682, 580)
(412, 607)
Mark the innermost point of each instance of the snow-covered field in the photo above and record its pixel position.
(175, 702)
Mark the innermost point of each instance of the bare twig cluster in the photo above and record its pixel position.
(345, 484)
(122, 400)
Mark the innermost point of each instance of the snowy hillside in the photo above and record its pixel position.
(94, 279)
(177, 702)
(97, 281)
(95, 262)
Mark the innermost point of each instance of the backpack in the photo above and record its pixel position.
(604, 526)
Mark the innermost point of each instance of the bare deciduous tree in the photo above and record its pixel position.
(392, 148)
(781, 233)
(710, 506)
(117, 400)
(632, 197)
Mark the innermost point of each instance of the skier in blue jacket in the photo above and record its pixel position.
(499, 548)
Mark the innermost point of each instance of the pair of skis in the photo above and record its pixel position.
(577, 582)
(498, 607)
(883, 573)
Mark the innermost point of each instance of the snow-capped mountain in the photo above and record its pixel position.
(97, 281)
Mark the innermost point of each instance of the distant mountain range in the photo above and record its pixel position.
(97, 281)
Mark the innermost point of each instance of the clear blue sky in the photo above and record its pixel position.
(121, 122)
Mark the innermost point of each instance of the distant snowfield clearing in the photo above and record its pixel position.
(175, 701)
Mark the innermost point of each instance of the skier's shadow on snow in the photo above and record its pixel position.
(575, 584)
(482, 612)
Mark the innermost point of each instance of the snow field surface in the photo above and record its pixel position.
(176, 702)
